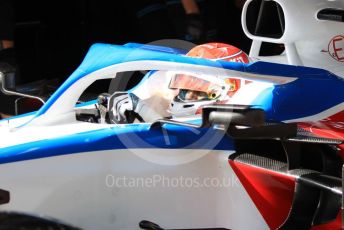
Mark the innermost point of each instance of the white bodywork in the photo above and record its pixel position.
(74, 188)
(88, 190)
(308, 41)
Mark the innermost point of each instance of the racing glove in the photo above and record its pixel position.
(126, 107)
(121, 106)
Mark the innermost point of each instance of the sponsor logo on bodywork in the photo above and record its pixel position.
(336, 48)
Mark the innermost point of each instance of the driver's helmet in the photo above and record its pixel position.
(196, 91)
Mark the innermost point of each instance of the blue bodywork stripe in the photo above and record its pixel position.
(134, 136)
(302, 98)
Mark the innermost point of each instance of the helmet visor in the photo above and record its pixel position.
(199, 88)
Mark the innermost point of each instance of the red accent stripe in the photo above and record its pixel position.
(336, 224)
(271, 192)
(331, 127)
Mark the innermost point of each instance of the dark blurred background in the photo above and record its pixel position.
(52, 37)
(49, 39)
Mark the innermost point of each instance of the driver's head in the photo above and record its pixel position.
(192, 95)
(196, 91)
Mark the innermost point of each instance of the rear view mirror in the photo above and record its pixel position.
(239, 122)
(8, 86)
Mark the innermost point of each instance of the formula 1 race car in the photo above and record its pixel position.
(270, 157)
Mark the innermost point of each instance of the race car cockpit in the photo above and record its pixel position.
(174, 94)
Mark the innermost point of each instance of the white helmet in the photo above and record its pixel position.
(196, 91)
